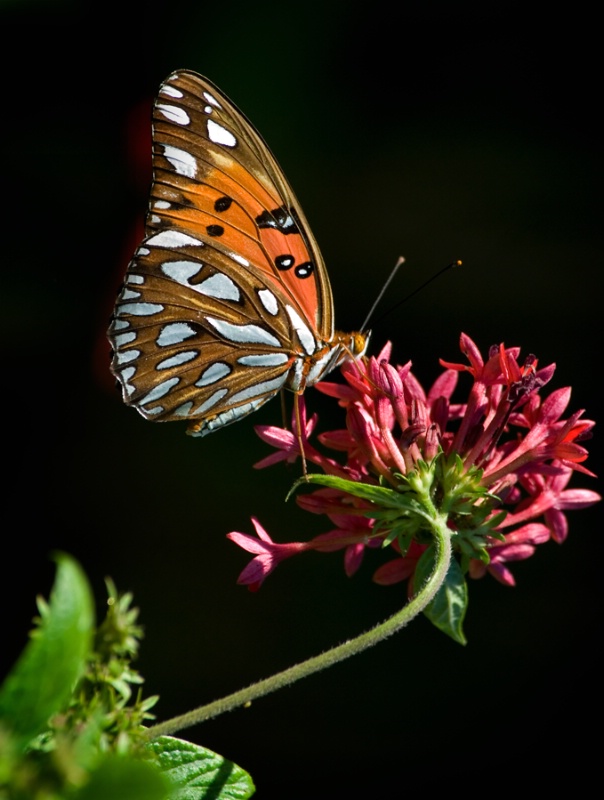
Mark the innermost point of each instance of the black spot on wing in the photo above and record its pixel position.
(284, 262)
(281, 219)
(304, 270)
(223, 203)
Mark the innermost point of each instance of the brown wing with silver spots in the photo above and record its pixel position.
(228, 294)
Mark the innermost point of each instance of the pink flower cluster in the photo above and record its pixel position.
(516, 442)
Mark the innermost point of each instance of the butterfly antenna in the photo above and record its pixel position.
(387, 283)
(457, 263)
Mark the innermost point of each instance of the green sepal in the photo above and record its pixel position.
(195, 772)
(367, 491)
(391, 502)
(42, 680)
(448, 608)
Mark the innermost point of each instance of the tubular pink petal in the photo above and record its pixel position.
(502, 574)
(443, 387)
(558, 524)
(247, 542)
(472, 353)
(554, 405)
(573, 499)
(353, 558)
(394, 571)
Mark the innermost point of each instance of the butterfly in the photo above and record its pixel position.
(227, 299)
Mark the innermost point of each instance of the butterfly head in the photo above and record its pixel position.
(359, 342)
(353, 345)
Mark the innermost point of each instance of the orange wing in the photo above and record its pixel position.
(222, 183)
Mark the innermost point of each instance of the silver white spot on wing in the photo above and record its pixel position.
(161, 204)
(208, 109)
(120, 324)
(173, 238)
(143, 251)
(154, 219)
(178, 359)
(213, 373)
(124, 338)
(240, 259)
(125, 375)
(220, 135)
(307, 340)
(211, 100)
(174, 333)
(231, 415)
(184, 163)
(247, 334)
(140, 309)
(174, 114)
(183, 410)
(219, 286)
(128, 294)
(156, 410)
(263, 388)
(160, 390)
(126, 356)
(171, 194)
(269, 301)
(181, 271)
(266, 360)
(171, 91)
(135, 279)
(211, 401)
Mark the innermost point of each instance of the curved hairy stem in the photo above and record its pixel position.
(393, 624)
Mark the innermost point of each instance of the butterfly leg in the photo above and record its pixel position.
(298, 432)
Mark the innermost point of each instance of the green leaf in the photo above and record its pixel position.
(385, 498)
(42, 680)
(199, 774)
(448, 608)
(125, 778)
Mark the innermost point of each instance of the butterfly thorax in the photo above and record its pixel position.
(307, 370)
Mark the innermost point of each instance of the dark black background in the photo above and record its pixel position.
(435, 133)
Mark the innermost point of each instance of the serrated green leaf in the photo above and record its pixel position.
(197, 773)
(41, 682)
(448, 608)
(124, 778)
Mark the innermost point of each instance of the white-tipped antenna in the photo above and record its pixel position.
(409, 296)
(395, 269)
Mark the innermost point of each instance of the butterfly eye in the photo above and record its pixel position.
(360, 342)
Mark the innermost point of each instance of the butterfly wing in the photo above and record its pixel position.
(228, 292)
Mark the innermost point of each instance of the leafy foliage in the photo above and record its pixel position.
(72, 712)
(198, 773)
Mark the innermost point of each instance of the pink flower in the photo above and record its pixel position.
(268, 554)
(497, 464)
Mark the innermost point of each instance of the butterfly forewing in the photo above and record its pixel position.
(215, 176)
(227, 299)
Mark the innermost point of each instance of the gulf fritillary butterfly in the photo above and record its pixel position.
(227, 299)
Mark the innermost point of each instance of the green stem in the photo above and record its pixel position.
(393, 624)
